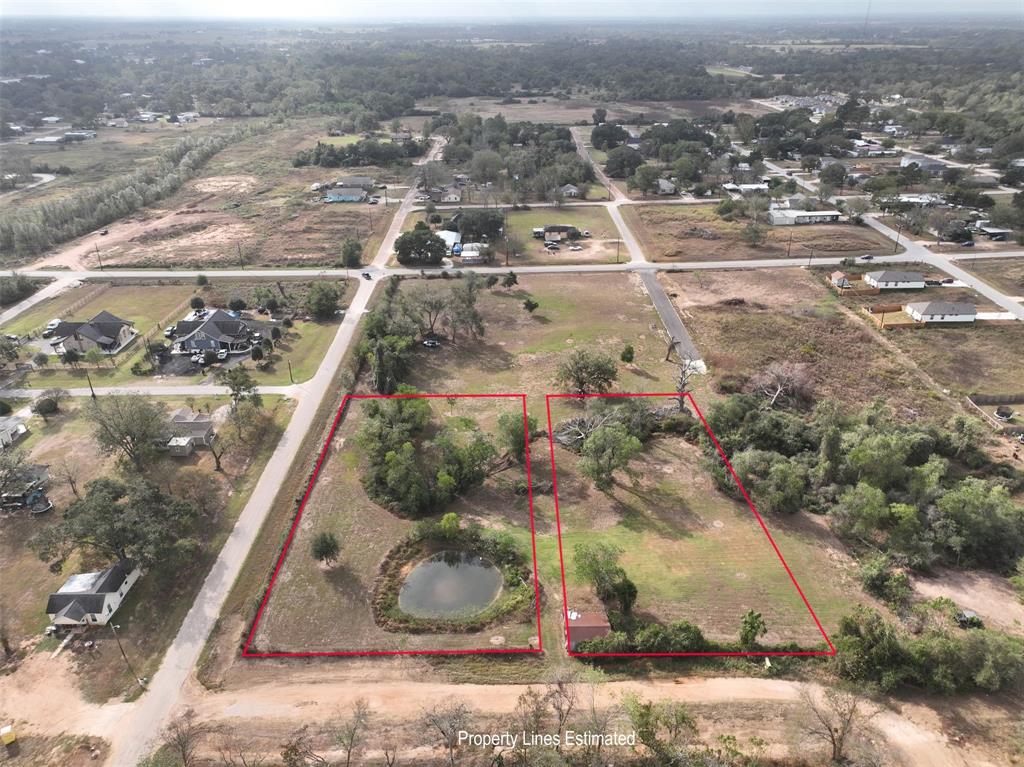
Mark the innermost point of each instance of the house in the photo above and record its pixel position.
(780, 217)
(51, 120)
(191, 429)
(79, 135)
(894, 280)
(558, 232)
(188, 117)
(92, 598)
(665, 187)
(995, 233)
(12, 430)
(585, 626)
(925, 164)
(216, 330)
(941, 311)
(451, 239)
(448, 194)
(570, 190)
(356, 182)
(840, 280)
(330, 197)
(105, 332)
(48, 140)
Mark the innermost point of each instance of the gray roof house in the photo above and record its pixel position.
(217, 330)
(356, 182)
(941, 311)
(894, 280)
(570, 190)
(665, 187)
(92, 598)
(104, 332)
(189, 429)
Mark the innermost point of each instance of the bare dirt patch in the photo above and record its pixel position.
(989, 595)
(225, 184)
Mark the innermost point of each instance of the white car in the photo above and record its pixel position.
(423, 198)
(222, 354)
(575, 247)
(50, 327)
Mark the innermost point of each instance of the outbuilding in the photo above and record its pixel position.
(583, 626)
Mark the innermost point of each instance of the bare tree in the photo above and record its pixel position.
(236, 752)
(68, 472)
(563, 695)
(783, 380)
(447, 720)
(688, 368)
(298, 751)
(834, 720)
(183, 735)
(353, 730)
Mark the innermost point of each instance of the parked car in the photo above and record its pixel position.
(50, 327)
(104, 232)
(585, 233)
(373, 201)
(967, 244)
(197, 358)
(948, 281)
(222, 354)
(575, 247)
(551, 247)
(968, 619)
(432, 343)
(170, 330)
(422, 198)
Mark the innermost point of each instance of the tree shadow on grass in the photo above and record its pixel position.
(659, 511)
(345, 581)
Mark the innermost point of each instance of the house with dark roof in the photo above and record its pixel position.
(216, 330)
(189, 429)
(930, 312)
(88, 599)
(105, 332)
(890, 279)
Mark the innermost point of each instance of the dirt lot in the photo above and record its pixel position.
(743, 320)
(313, 608)
(1006, 274)
(696, 233)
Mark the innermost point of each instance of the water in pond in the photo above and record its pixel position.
(449, 584)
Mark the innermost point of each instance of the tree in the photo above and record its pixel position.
(530, 305)
(256, 353)
(322, 301)
(298, 751)
(133, 521)
(645, 178)
(833, 720)
(754, 234)
(12, 469)
(241, 385)
(449, 525)
(492, 280)
(129, 424)
(783, 381)
(447, 720)
(41, 360)
(514, 433)
(183, 736)
(352, 733)
(420, 247)
(425, 305)
(599, 116)
(71, 357)
(325, 548)
(196, 302)
(751, 629)
(584, 371)
(607, 449)
(622, 162)
(8, 350)
(509, 281)
(628, 354)
(856, 208)
(486, 166)
(352, 253)
(598, 564)
(833, 175)
(201, 280)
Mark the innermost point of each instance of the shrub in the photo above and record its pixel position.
(201, 280)
(236, 304)
(196, 302)
(45, 406)
(5, 408)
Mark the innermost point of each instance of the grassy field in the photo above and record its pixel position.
(322, 609)
(697, 233)
(1005, 274)
(744, 320)
(152, 612)
(693, 553)
(730, 73)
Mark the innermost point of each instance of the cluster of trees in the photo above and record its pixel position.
(920, 493)
(26, 231)
(409, 474)
(526, 158)
(365, 152)
(16, 288)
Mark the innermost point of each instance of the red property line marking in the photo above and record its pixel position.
(554, 477)
(302, 507)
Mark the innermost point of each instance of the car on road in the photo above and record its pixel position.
(104, 232)
(967, 244)
(575, 247)
(867, 257)
(432, 343)
(366, 276)
(50, 327)
(423, 198)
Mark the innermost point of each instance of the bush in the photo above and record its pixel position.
(236, 304)
(196, 302)
(880, 580)
(5, 408)
(45, 406)
(201, 280)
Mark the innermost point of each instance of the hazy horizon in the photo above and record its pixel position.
(498, 10)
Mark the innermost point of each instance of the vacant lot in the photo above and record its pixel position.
(697, 233)
(744, 320)
(318, 608)
(152, 612)
(1005, 274)
(693, 553)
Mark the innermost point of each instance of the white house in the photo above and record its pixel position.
(665, 187)
(941, 311)
(893, 280)
(783, 217)
(92, 598)
(12, 430)
(451, 239)
(570, 190)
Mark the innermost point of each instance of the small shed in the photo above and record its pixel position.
(583, 626)
(180, 447)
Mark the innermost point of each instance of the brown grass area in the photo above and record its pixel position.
(1006, 274)
(697, 233)
(788, 314)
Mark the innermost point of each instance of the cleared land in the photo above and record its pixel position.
(576, 110)
(694, 553)
(1006, 274)
(316, 608)
(697, 233)
(151, 613)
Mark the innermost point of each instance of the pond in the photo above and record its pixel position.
(450, 584)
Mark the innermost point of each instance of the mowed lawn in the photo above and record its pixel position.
(698, 233)
(314, 608)
(694, 553)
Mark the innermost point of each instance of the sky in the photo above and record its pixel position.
(503, 10)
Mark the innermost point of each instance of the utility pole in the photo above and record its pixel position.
(290, 376)
(896, 247)
(789, 248)
(618, 242)
(98, 256)
(92, 391)
(139, 679)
